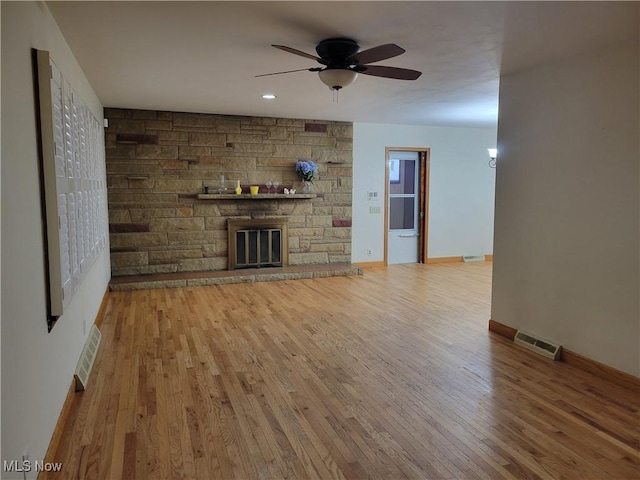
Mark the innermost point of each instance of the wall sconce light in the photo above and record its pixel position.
(493, 153)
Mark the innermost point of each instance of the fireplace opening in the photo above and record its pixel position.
(257, 243)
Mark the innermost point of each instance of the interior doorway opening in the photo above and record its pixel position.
(406, 205)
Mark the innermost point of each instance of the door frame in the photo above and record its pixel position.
(423, 201)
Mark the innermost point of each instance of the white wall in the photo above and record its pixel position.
(461, 187)
(37, 367)
(566, 262)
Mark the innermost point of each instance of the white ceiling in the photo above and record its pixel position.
(203, 56)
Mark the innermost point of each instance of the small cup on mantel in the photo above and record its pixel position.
(254, 189)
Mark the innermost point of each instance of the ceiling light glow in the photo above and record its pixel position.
(269, 96)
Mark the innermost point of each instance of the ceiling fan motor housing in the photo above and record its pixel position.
(335, 51)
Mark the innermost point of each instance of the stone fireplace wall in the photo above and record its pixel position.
(157, 163)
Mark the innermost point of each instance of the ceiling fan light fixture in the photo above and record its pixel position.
(337, 78)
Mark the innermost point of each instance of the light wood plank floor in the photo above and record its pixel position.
(391, 375)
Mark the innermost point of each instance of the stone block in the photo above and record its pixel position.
(128, 227)
(150, 199)
(184, 212)
(173, 256)
(132, 169)
(168, 152)
(144, 114)
(125, 125)
(258, 121)
(174, 164)
(218, 249)
(297, 221)
(325, 155)
(306, 232)
(345, 183)
(117, 240)
(337, 232)
(338, 199)
(253, 148)
(206, 210)
(318, 220)
(119, 216)
(278, 133)
(341, 222)
(138, 214)
(194, 120)
(215, 223)
(176, 224)
(140, 183)
(308, 258)
(327, 247)
(178, 186)
(158, 125)
(342, 130)
(339, 258)
(121, 152)
(129, 259)
(275, 163)
(186, 152)
(136, 138)
(295, 152)
(291, 122)
(202, 264)
(302, 208)
(173, 138)
(237, 163)
(144, 270)
(301, 139)
(191, 238)
(207, 139)
(117, 181)
(339, 171)
(244, 138)
(294, 242)
(341, 212)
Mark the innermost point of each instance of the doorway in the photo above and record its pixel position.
(406, 205)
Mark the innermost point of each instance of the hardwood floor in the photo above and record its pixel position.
(390, 375)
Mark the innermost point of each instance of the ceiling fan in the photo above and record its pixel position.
(343, 60)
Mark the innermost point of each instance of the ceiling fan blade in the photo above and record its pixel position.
(375, 54)
(315, 69)
(297, 52)
(389, 72)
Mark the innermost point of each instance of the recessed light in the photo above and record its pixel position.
(268, 96)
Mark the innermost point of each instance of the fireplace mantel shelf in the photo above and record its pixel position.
(260, 196)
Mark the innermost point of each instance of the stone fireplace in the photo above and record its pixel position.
(258, 243)
(161, 164)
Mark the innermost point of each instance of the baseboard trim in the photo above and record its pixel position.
(502, 329)
(69, 399)
(370, 264)
(593, 367)
(600, 370)
(62, 420)
(103, 308)
(444, 259)
(487, 258)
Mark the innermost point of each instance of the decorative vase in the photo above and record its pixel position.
(306, 186)
(238, 188)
